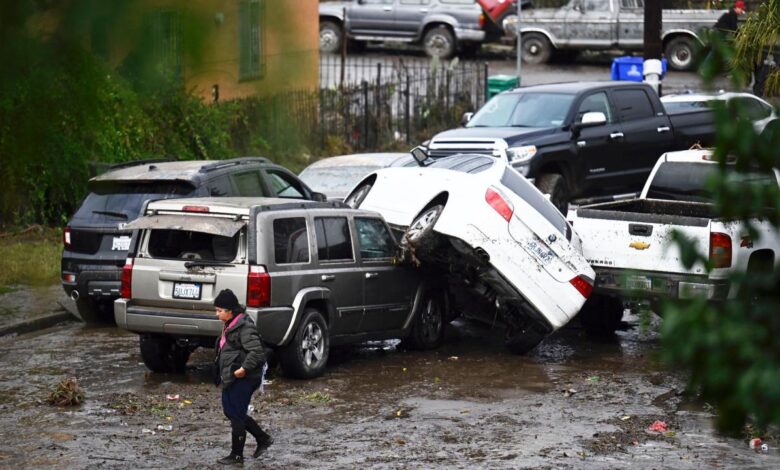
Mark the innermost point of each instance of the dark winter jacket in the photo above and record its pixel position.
(727, 23)
(243, 348)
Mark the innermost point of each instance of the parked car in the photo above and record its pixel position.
(630, 243)
(311, 274)
(756, 109)
(96, 238)
(442, 27)
(336, 176)
(609, 24)
(573, 138)
(512, 258)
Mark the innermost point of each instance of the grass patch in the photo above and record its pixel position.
(30, 257)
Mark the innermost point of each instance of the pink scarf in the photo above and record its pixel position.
(223, 339)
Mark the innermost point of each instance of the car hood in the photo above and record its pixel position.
(509, 134)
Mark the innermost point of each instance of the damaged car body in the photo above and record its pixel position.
(511, 259)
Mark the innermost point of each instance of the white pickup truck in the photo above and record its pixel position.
(631, 248)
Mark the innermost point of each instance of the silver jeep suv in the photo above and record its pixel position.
(311, 274)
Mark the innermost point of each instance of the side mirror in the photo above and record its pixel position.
(319, 197)
(591, 119)
(466, 118)
(420, 155)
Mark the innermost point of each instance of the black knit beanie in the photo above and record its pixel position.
(227, 300)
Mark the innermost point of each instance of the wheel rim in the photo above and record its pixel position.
(431, 320)
(312, 344)
(681, 57)
(533, 48)
(328, 40)
(422, 224)
(437, 45)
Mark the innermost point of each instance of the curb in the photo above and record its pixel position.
(26, 326)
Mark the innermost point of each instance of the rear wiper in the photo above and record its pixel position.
(121, 215)
(205, 262)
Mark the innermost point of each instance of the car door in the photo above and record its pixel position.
(249, 184)
(598, 150)
(388, 288)
(409, 15)
(371, 17)
(285, 185)
(646, 135)
(591, 23)
(631, 24)
(338, 272)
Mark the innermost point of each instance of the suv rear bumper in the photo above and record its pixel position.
(661, 285)
(98, 281)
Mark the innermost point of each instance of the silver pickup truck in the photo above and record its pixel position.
(608, 24)
(442, 27)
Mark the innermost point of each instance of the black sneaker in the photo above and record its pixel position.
(232, 459)
(262, 446)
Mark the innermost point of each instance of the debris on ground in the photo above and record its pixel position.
(569, 392)
(165, 427)
(658, 426)
(453, 358)
(625, 418)
(755, 443)
(172, 397)
(594, 379)
(148, 431)
(66, 393)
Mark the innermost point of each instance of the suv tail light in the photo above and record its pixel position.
(498, 203)
(482, 21)
(66, 236)
(258, 287)
(583, 285)
(126, 289)
(720, 250)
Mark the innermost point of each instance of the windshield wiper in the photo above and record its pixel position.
(120, 215)
(204, 262)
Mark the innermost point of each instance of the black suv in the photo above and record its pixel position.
(96, 242)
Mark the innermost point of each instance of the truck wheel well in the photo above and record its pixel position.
(669, 37)
(332, 19)
(440, 199)
(436, 24)
(761, 261)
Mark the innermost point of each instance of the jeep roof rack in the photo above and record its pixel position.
(232, 162)
(117, 166)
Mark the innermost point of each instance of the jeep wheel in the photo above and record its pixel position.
(601, 315)
(680, 53)
(439, 42)
(306, 355)
(554, 185)
(330, 37)
(419, 236)
(429, 325)
(162, 354)
(356, 198)
(536, 48)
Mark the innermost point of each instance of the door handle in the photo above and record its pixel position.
(663, 129)
(371, 275)
(581, 143)
(423, 10)
(388, 8)
(616, 135)
(327, 277)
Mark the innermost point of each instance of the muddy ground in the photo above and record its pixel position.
(575, 402)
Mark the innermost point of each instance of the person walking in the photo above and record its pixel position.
(729, 21)
(240, 364)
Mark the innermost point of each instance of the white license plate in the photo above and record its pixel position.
(639, 283)
(541, 253)
(120, 244)
(185, 290)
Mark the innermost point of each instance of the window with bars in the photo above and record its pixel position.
(165, 35)
(250, 32)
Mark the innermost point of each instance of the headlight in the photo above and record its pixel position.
(520, 155)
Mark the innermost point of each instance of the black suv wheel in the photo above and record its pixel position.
(429, 323)
(306, 355)
(91, 311)
(162, 354)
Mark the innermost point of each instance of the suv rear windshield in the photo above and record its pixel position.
(112, 203)
(686, 181)
(520, 186)
(190, 245)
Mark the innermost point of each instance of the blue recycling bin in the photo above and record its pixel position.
(630, 68)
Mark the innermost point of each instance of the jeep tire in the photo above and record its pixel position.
(305, 356)
(162, 354)
(429, 323)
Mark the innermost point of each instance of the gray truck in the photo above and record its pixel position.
(608, 24)
(442, 27)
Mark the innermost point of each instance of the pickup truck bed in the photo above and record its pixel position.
(651, 211)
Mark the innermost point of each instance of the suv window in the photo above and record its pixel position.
(291, 241)
(283, 185)
(520, 186)
(596, 102)
(185, 244)
(249, 184)
(633, 104)
(219, 186)
(374, 238)
(333, 238)
(111, 203)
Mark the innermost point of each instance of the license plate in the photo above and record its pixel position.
(540, 253)
(185, 290)
(120, 244)
(639, 283)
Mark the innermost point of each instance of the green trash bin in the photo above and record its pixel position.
(498, 83)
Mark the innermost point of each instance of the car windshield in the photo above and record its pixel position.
(335, 180)
(526, 191)
(687, 181)
(112, 203)
(523, 110)
(466, 163)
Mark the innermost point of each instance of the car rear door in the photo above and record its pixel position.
(388, 288)
(598, 148)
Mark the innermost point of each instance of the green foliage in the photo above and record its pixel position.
(758, 35)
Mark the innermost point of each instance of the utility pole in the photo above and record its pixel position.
(519, 40)
(652, 41)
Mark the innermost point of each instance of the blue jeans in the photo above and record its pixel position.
(235, 402)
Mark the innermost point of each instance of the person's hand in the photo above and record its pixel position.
(240, 373)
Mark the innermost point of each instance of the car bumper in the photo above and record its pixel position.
(97, 281)
(469, 35)
(657, 286)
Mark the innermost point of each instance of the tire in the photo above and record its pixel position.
(555, 185)
(680, 53)
(429, 323)
(92, 312)
(439, 42)
(162, 355)
(306, 355)
(601, 315)
(356, 198)
(419, 236)
(330, 37)
(521, 342)
(536, 48)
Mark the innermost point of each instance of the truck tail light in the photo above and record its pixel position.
(66, 236)
(482, 20)
(258, 287)
(720, 250)
(583, 285)
(500, 204)
(126, 289)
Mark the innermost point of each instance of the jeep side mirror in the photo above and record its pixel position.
(420, 155)
(466, 118)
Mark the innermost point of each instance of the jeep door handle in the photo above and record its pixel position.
(371, 275)
(663, 129)
(327, 277)
(423, 10)
(616, 136)
(388, 8)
